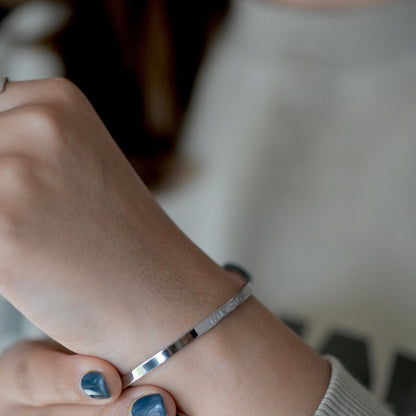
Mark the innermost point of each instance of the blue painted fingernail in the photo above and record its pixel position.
(94, 385)
(149, 406)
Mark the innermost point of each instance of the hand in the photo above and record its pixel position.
(88, 256)
(82, 241)
(39, 378)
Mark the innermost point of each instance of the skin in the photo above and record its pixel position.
(87, 254)
(40, 378)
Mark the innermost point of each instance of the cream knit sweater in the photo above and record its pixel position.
(298, 161)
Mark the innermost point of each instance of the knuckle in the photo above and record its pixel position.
(42, 120)
(28, 380)
(43, 126)
(62, 89)
(23, 379)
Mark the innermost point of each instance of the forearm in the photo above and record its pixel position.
(250, 363)
(91, 259)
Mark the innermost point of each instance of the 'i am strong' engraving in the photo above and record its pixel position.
(226, 309)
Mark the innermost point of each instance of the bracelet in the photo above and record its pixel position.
(200, 329)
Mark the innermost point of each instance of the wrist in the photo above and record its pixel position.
(217, 373)
(200, 329)
(143, 331)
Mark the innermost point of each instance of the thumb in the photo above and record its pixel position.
(144, 401)
(134, 401)
(40, 374)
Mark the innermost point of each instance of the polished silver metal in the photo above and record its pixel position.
(3, 82)
(190, 336)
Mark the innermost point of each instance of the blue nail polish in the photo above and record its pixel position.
(149, 406)
(94, 385)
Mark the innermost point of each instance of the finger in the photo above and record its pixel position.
(134, 401)
(29, 92)
(149, 400)
(17, 93)
(37, 374)
(29, 130)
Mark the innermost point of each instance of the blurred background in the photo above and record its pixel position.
(278, 136)
(135, 60)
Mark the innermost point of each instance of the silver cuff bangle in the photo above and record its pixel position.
(200, 329)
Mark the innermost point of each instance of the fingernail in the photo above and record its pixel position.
(94, 385)
(149, 406)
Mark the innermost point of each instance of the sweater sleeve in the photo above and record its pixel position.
(345, 396)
